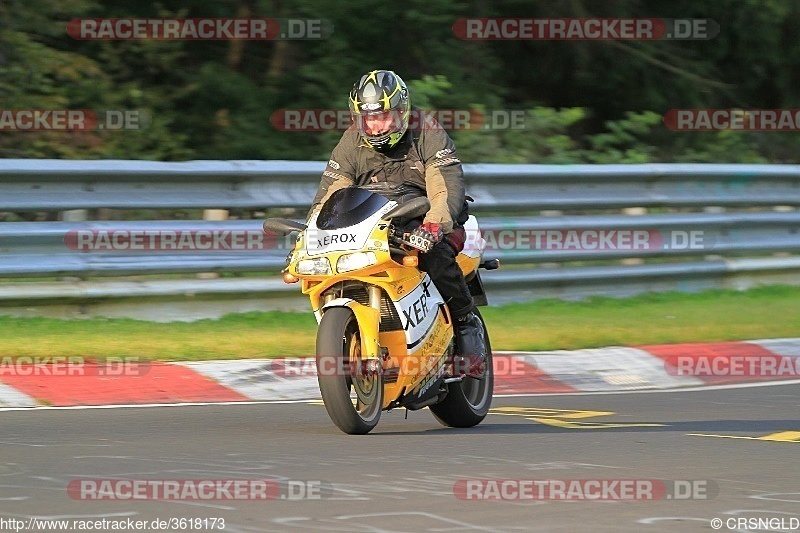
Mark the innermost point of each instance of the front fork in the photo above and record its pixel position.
(373, 291)
(368, 318)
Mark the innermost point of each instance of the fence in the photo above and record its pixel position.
(546, 223)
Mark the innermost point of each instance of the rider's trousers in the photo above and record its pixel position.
(440, 264)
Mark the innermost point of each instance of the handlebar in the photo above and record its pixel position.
(398, 236)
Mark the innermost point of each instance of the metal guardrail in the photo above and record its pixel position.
(507, 194)
(57, 185)
(37, 249)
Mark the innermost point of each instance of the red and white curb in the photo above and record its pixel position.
(575, 371)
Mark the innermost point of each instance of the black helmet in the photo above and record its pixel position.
(381, 97)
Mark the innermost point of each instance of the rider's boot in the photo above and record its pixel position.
(471, 343)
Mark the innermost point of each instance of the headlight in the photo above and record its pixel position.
(355, 261)
(314, 267)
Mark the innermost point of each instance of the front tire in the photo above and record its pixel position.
(352, 398)
(468, 401)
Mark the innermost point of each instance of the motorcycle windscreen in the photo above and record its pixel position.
(349, 206)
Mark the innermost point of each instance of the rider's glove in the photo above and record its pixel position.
(426, 236)
(434, 229)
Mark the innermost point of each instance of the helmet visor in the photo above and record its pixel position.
(379, 124)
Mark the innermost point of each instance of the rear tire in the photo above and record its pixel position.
(468, 401)
(339, 341)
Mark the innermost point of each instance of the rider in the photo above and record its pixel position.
(381, 153)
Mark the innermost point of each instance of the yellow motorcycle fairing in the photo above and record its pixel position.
(415, 350)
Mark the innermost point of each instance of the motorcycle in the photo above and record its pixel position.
(385, 336)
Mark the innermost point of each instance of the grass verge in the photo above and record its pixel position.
(764, 312)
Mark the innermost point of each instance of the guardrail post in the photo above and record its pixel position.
(634, 212)
(783, 209)
(713, 209)
(74, 215)
(551, 213)
(213, 214)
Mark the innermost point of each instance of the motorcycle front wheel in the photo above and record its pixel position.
(352, 392)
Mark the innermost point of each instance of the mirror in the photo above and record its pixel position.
(411, 209)
(282, 226)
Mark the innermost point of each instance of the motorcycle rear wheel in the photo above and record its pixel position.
(352, 397)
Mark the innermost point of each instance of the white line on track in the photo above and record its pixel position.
(651, 391)
(317, 400)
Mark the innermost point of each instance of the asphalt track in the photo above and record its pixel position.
(401, 477)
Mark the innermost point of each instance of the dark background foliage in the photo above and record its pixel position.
(589, 101)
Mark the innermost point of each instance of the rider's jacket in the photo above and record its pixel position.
(424, 162)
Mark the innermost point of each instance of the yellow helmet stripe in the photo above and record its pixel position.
(386, 99)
